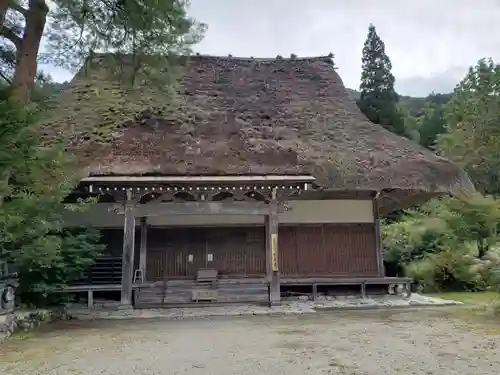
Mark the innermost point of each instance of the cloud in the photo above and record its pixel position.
(442, 82)
(427, 41)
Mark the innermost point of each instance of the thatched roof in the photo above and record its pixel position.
(238, 116)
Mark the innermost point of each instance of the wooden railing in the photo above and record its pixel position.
(107, 270)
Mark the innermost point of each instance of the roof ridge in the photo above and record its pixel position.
(292, 57)
(252, 58)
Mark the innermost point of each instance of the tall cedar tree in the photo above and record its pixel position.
(378, 100)
(150, 30)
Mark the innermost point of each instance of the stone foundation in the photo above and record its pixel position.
(287, 307)
(13, 322)
(7, 324)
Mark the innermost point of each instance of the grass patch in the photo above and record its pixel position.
(469, 298)
(23, 335)
(480, 311)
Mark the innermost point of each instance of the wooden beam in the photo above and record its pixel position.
(200, 179)
(272, 252)
(128, 252)
(378, 240)
(202, 208)
(268, 249)
(143, 248)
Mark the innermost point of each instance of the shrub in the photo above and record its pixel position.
(447, 244)
(423, 272)
(412, 239)
(451, 270)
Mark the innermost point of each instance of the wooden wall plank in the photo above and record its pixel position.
(329, 250)
(235, 251)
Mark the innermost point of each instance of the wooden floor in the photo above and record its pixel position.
(244, 290)
(344, 280)
(175, 292)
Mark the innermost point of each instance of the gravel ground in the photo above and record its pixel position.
(287, 307)
(424, 341)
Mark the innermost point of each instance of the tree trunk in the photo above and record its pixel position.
(26, 66)
(483, 247)
(4, 6)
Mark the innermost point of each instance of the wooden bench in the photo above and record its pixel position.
(90, 289)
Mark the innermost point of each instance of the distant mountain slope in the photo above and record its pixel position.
(354, 93)
(411, 104)
(423, 116)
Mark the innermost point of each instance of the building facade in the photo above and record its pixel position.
(263, 180)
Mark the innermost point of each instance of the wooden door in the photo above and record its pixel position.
(195, 252)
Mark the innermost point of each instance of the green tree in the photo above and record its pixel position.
(32, 236)
(473, 220)
(417, 233)
(378, 99)
(449, 222)
(149, 30)
(411, 123)
(431, 124)
(424, 118)
(35, 179)
(472, 118)
(447, 243)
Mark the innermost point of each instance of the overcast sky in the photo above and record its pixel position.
(431, 42)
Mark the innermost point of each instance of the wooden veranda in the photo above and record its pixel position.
(161, 266)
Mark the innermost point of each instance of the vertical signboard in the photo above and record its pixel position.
(274, 252)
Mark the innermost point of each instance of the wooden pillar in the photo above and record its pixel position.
(269, 271)
(128, 251)
(143, 248)
(378, 241)
(272, 253)
(90, 298)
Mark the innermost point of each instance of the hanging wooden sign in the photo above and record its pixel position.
(274, 252)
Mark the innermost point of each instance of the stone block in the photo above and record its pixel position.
(123, 307)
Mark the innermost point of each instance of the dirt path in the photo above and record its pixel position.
(358, 342)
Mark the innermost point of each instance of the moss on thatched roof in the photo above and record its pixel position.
(239, 116)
